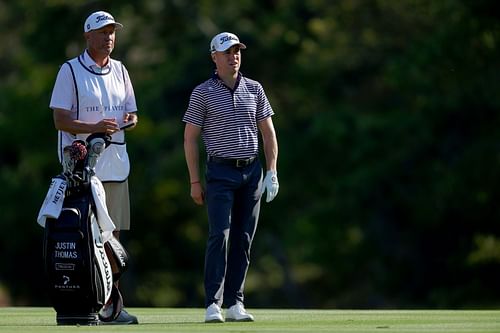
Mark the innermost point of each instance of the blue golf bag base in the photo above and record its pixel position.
(91, 319)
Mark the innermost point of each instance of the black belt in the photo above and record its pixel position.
(237, 162)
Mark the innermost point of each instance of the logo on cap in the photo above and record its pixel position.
(103, 18)
(228, 38)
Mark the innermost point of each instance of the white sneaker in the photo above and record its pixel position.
(238, 313)
(214, 314)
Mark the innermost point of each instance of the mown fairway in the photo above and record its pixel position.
(21, 319)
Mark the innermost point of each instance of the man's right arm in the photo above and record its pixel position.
(191, 151)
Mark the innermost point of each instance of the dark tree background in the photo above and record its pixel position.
(387, 114)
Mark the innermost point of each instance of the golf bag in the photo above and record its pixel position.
(78, 269)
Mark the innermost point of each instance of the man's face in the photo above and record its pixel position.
(101, 41)
(229, 61)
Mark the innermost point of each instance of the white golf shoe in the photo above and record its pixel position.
(237, 312)
(214, 314)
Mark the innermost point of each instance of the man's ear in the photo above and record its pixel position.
(213, 56)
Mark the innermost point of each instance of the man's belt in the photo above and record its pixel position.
(236, 162)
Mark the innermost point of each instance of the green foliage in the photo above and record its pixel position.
(386, 115)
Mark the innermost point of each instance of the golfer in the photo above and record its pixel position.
(228, 111)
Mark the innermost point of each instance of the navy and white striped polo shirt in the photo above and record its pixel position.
(228, 118)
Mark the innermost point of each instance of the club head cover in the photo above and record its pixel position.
(104, 136)
(117, 256)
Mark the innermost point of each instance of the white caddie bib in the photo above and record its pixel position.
(102, 96)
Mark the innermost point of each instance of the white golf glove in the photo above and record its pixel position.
(271, 185)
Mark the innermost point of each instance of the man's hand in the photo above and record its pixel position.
(197, 193)
(271, 185)
(129, 121)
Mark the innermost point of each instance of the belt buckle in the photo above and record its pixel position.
(241, 163)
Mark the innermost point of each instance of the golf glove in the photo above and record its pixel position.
(271, 185)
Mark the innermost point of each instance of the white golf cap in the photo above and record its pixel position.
(225, 40)
(98, 20)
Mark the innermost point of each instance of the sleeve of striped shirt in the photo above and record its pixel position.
(195, 113)
(264, 109)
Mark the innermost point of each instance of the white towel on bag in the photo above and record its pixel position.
(103, 218)
(52, 205)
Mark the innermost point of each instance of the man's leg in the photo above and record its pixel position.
(118, 204)
(219, 200)
(244, 221)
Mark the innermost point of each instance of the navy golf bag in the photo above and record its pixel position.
(77, 261)
(77, 285)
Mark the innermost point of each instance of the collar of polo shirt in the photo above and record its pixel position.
(92, 66)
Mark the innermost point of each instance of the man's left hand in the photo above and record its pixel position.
(271, 185)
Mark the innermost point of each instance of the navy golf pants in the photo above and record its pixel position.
(233, 202)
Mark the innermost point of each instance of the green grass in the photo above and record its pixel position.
(24, 319)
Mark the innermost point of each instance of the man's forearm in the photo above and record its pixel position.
(192, 160)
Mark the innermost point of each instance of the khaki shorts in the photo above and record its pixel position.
(118, 202)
